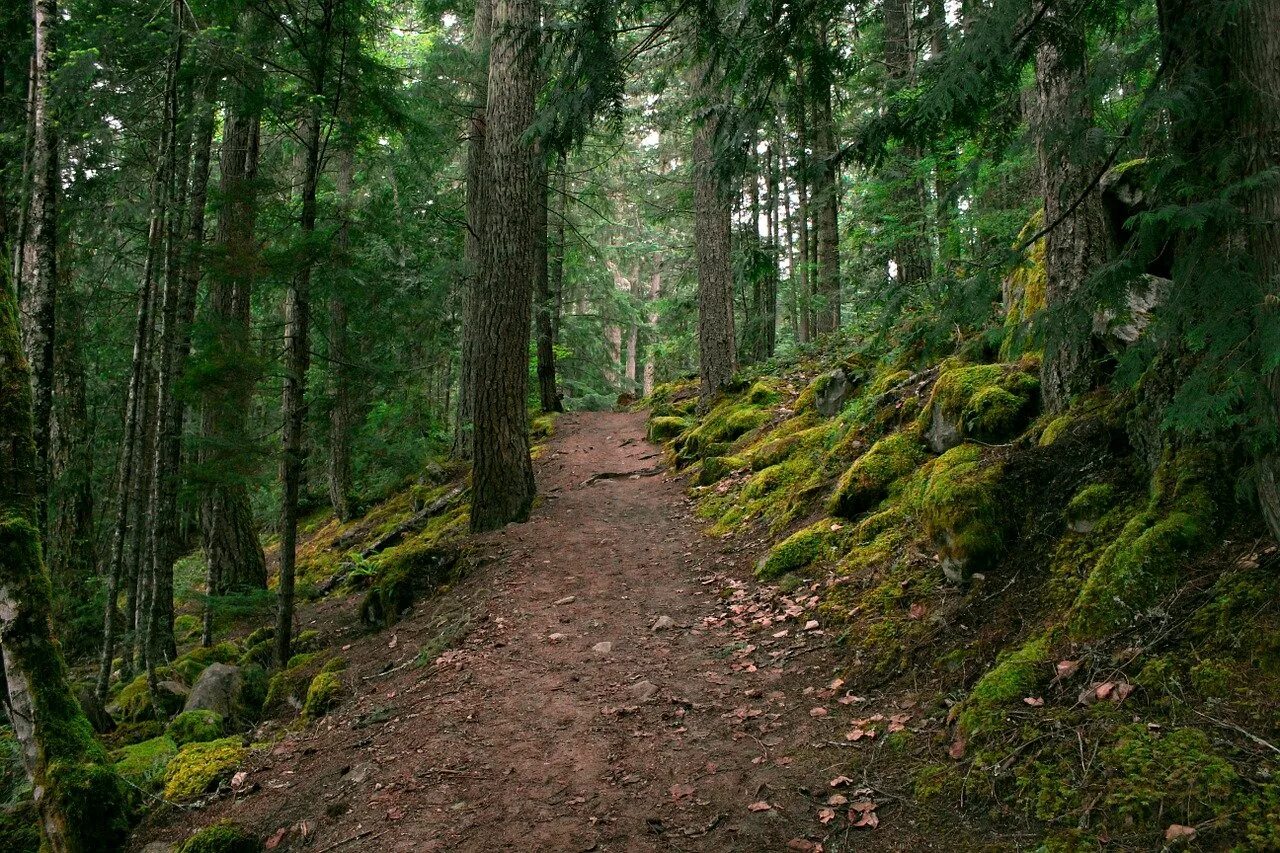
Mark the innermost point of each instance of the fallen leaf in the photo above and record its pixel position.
(237, 781)
(804, 845)
(826, 815)
(840, 780)
(1103, 690)
(1178, 831)
(811, 625)
(395, 813)
(759, 806)
(274, 841)
(817, 712)
(957, 748)
(837, 800)
(1067, 668)
(1034, 701)
(917, 611)
(680, 792)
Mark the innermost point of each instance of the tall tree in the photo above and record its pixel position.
(502, 474)
(548, 289)
(826, 188)
(339, 373)
(712, 237)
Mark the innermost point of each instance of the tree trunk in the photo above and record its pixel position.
(38, 287)
(655, 293)
(1078, 245)
(80, 801)
(802, 209)
(632, 369)
(547, 393)
(827, 199)
(712, 236)
(771, 217)
(502, 475)
(340, 415)
(910, 200)
(296, 361)
(473, 257)
(549, 293)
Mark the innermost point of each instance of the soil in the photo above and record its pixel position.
(725, 730)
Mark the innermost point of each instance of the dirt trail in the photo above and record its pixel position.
(529, 736)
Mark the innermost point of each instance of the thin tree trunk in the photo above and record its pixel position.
(793, 274)
(655, 293)
(340, 415)
(712, 236)
(481, 31)
(632, 370)
(544, 298)
(502, 475)
(1078, 245)
(771, 217)
(802, 205)
(910, 249)
(555, 287)
(827, 200)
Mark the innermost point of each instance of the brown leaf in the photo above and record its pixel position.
(817, 712)
(957, 748)
(837, 800)
(759, 806)
(826, 815)
(274, 841)
(1067, 668)
(680, 792)
(1034, 701)
(1178, 831)
(840, 780)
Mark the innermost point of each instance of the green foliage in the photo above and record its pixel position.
(143, 764)
(870, 479)
(1174, 776)
(200, 767)
(222, 837)
(196, 727)
(1015, 676)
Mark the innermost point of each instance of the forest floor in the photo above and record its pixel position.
(616, 681)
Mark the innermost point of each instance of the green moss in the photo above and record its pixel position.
(716, 468)
(1173, 777)
(1056, 429)
(1025, 290)
(143, 764)
(1015, 676)
(196, 727)
(1091, 502)
(288, 688)
(334, 664)
(20, 827)
(259, 653)
(323, 695)
(729, 420)
(127, 733)
(260, 635)
(796, 551)
(963, 511)
(414, 568)
(988, 402)
(542, 426)
(187, 626)
(870, 479)
(763, 393)
(1141, 565)
(222, 837)
(189, 666)
(199, 767)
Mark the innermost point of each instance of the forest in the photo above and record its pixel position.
(684, 425)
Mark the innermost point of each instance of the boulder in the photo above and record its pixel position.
(217, 689)
(101, 721)
(831, 391)
(944, 431)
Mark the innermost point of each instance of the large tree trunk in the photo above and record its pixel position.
(38, 287)
(340, 415)
(543, 297)
(502, 474)
(233, 554)
(80, 801)
(712, 237)
(549, 294)
(1076, 246)
(473, 253)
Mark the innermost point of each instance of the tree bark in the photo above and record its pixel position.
(1078, 245)
(38, 287)
(473, 253)
(802, 208)
(712, 237)
(910, 199)
(338, 375)
(549, 291)
(502, 475)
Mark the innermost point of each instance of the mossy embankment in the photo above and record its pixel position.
(1090, 637)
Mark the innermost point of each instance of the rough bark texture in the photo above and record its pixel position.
(231, 548)
(1078, 245)
(548, 296)
(911, 249)
(712, 235)
(38, 287)
(502, 474)
(805, 256)
(80, 801)
(338, 375)
(473, 257)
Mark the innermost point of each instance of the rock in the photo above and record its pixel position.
(101, 721)
(360, 773)
(1142, 299)
(555, 638)
(157, 847)
(831, 391)
(642, 690)
(943, 432)
(218, 690)
(663, 623)
(172, 696)
(568, 599)
(602, 648)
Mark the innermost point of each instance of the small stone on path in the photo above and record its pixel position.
(603, 648)
(642, 690)
(663, 623)
(555, 638)
(568, 599)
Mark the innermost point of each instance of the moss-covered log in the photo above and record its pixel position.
(78, 795)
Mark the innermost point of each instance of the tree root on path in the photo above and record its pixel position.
(617, 475)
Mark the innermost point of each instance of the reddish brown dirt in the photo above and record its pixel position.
(520, 740)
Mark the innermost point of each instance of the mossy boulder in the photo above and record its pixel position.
(716, 468)
(135, 702)
(870, 478)
(190, 665)
(796, 551)
(832, 390)
(199, 767)
(222, 837)
(666, 427)
(196, 726)
(1142, 564)
(965, 515)
(990, 403)
(1089, 505)
(1015, 676)
(325, 691)
(287, 689)
(730, 419)
(406, 573)
(143, 764)
(220, 690)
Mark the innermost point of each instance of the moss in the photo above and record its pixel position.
(323, 695)
(1174, 777)
(253, 691)
(143, 764)
(1015, 676)
(127, 733)
(189, 666)
(187, 626)
(1025, 291)
(334, 664)
(222, 837)
(1056, 429)
(963, 511)
(796, 551)
(196, 727)
(288, 688)
(763, 393)
(260, 635)
(259, 653)
(716, 468)
(870, 479)
(1141, 565)
(417, 567)
(20, 827)
(730, 419)
(199, 767)
(542, 426)
(1091, 502)
(987, 402)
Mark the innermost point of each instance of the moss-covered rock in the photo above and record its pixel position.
(135, 702)
(222, 837)
(1024, 291)
(1015, 676)
(666, 427)
(143, 764)
(716, 468)
(1142, 564)
(287, 689)
(870, 478)
(189, 666)
(325, 691)
(1090, 504)
(406, 572)
(987, 402)
(796, 551)
(196, 727)
(199, 767)
(964, 513)
(730, 419)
